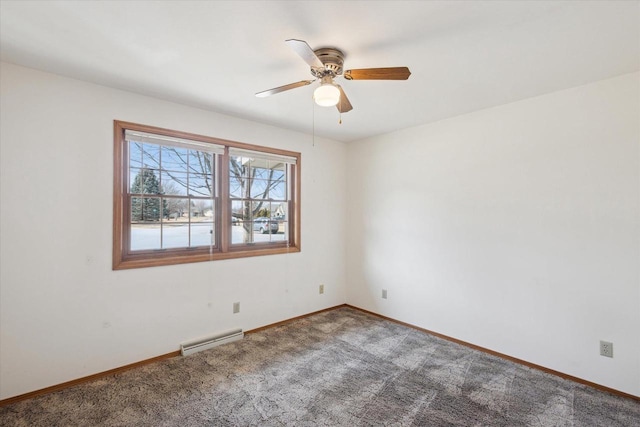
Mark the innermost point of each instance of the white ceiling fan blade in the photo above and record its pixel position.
(279, 89)
(306, 53)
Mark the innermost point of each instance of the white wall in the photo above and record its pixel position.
(64, 313)
(515, 228)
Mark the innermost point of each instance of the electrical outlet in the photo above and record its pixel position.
(384, 293)
(321, 289)
(606, 349)
(236, 307)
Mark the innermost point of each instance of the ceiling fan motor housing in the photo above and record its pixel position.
(333, 59)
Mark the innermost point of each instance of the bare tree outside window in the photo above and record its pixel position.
(256, 185)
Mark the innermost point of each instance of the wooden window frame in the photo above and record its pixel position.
(124, 258)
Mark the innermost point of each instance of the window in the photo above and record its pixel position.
(182, 198)
(259, 196)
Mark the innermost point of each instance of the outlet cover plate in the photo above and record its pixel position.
(236, 307)
(321, 289)
(606, 349)
(384, 293)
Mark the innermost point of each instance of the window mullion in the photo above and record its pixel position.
(189, 201)
(224, 209)
(161, 199)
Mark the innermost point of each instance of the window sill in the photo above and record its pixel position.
(135, 261)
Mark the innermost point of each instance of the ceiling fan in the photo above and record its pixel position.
(326, 64)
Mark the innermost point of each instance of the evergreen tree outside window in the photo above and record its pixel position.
(147, 209)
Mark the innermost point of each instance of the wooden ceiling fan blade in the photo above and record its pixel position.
(279, 89)
(306, 53)
(392, 73)
(343, 105)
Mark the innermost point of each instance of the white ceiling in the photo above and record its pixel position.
(463, 55)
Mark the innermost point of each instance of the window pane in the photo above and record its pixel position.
(279, 210)
(239, 166)
(241, 233)
(144, 155)
(174, 183)
(201, 210)
(205, 209)
(174, 159)
(283, 232)
(236, 186)
(135, 154)
(145, 209)
(200, 162)
(241, 209)
(200, 185)
(134, 186)
(278, 170)
(235, 221)
(261, 209)
(177, 209)
(259, 172)
(278, 190)
(145, 236)
(145, 181)
(150, 156)
(202, 234)
(259, 189)
(175, 234)
(264, 228)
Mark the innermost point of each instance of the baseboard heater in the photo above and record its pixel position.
(210, 342)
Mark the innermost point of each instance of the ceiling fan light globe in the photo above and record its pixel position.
(326, 95)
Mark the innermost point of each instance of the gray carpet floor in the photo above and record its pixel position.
(337, 368)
